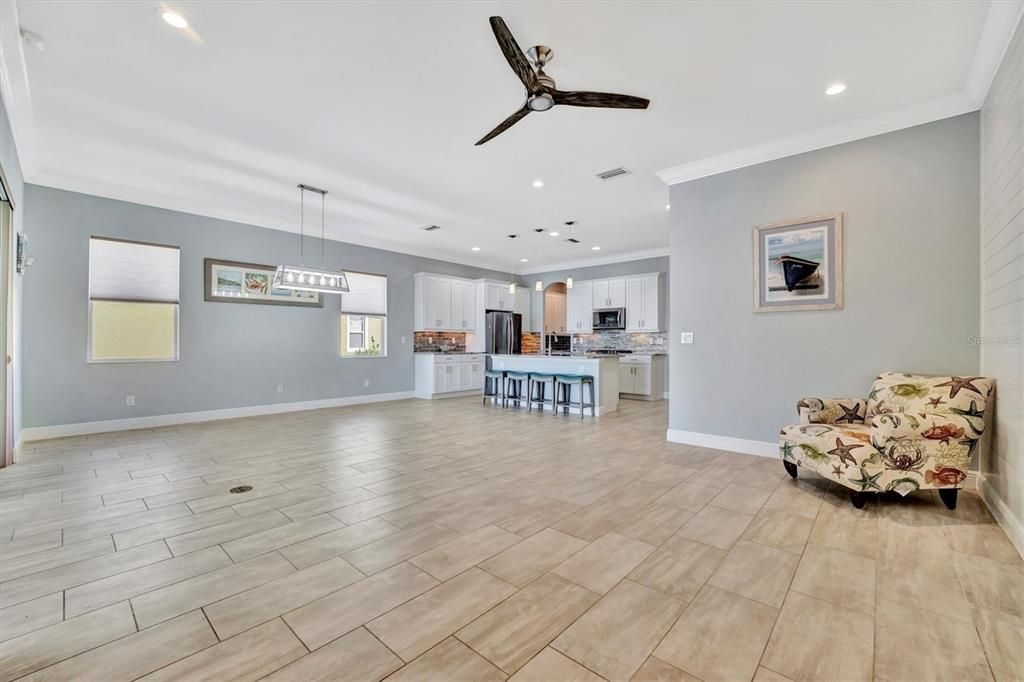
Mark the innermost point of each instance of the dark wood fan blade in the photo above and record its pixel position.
(605, 100)
(504, 125)
(516, 59)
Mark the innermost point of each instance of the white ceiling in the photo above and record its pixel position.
(380, 103)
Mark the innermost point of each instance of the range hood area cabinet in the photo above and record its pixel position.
(640, 295)
(609, 293)
(443, 303)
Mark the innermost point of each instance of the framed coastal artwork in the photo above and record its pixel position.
(798, 264)
(233, 282)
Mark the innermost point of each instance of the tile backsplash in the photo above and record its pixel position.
(638, 342)
(431, 342)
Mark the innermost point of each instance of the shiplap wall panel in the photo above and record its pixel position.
(1002, 271)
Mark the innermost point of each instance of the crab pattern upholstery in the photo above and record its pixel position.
(913, 432)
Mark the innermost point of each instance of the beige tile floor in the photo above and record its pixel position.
(448, 541)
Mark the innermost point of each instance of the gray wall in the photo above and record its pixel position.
(910, 206)
(1002, 301)
(232, 355)
(11, 164)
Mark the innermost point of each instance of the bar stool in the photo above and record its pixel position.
(537, 391)
(494, 385)
(563, 393)
(516, 384)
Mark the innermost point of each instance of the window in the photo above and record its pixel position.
(364, 313)
(133, 301)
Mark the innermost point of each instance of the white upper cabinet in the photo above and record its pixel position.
(444, 303)
(496, 297)
(463, 305)
(580, 307)
(610, 293)
(643, 303)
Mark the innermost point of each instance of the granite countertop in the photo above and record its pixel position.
(449, 352)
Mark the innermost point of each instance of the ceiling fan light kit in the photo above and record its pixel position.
(541, 92)
(303, 277)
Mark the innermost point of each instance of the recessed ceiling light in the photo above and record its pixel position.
(174, 19)
(524, 260)
(476, 248)
(835, 89)
(595, 248)
(552, 234)
(538, 183)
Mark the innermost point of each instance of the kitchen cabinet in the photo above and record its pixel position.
(463, 305)
(642, 376)
(580, 308)
(523, 300)
(444, 303)
(643, 303)
(443, 375)
(609, 293)
(496, 296)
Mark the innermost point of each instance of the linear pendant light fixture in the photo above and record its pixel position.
(301, 277)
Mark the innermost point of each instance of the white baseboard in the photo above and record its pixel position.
(708, 440)
(131, 423)
(1011, 524)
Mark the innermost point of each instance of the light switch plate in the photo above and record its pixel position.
(686, 337)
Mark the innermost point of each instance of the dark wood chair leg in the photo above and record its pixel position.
(790, 468)
(948, 497)
(859, 499)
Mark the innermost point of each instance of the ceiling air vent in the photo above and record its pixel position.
(612, 173)
(513, 236)
(431, 228)
(573, 240)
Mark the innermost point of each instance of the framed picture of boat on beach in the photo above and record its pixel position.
(798, 264)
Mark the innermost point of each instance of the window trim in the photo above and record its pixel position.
(89, 301)
(177, 335)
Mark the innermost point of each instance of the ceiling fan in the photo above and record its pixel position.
(541, 93)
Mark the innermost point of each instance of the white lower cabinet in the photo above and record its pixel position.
(642, 376)
(440, 374)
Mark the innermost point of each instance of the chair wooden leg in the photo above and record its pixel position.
(859, 499)
(790, 468)
(948, 497)
(529, 394)
(593, 403)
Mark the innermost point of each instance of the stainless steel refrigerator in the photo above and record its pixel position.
(504, 333)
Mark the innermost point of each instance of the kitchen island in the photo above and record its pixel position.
(604, 369)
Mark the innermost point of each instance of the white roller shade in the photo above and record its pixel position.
(131, 271)
(368, 294)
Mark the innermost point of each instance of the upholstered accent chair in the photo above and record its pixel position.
(913, 432)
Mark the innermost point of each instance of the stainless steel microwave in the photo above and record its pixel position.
(609, 318)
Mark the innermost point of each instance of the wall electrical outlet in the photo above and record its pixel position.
(280, 388)
(403, 339)
(366, 382)
(686, 337)
(129, 400)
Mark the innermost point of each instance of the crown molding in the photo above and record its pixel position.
(158, 201)
(926, 112)
(14, 88)
(1000, 25)
(996, 34)
(600, 260)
